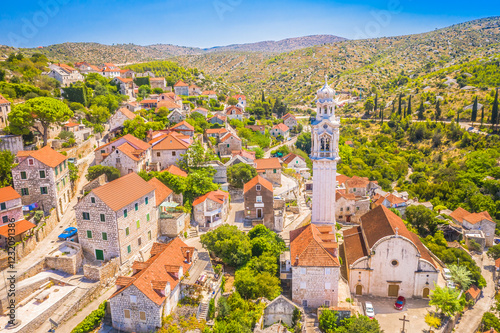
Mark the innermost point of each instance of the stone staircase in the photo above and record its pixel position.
(203, 311)
(192, 232)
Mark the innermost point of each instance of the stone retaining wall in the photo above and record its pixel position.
(67, 264)
(41, 231)
(102, 273)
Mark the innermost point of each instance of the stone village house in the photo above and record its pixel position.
(385, 259)
(118, 219)
(349, 207)
(42, 178)
(270, 169)
(211, 210)
(4, 112)
(314, 266)
(229, 143)
(168, 148)
(476, 221)
(290, 121)
(142, 300)
(11, 208)
(259, 201)
(117, 120)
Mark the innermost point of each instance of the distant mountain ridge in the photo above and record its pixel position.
(131, 53)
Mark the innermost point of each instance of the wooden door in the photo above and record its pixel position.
(359, 290)
(425, 293)
(393, 290)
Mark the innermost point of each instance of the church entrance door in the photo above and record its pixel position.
(425, 294)
(359, 290)
(393, 290)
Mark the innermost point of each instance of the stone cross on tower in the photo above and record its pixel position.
(325, 156)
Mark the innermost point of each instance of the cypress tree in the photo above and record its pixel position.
(438, 110)
(473, 115)
(381, 115)
(263, 99)
(482, 116)
(458, 117)
(421, 109)
(408, 111)
(494, 110)
(400, 109)
(393, 107)
(375, 106)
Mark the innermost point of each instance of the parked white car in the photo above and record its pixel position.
(446, 273)
(369, 310)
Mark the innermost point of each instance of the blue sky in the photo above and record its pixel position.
(206, 23)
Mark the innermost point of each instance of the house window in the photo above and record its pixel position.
(348, 208)
(303, 270)
(86, 216)
(304, 303)
(341, 209)
(43, 190)
(89, 234)
(138, 224)
(25, 191)
(133, 299)
(327, 304)
(142, 315)
(127, 231)
(103, 218)
(103, 151)
(5, 219)
(56, 171)
(357, 208)
(31, 161)
(139, 241)
(354, 190)
(149, 235)
(328, 271)
(328, 285)
(258, 198)
(92, 199)
(64, 163)
(104, 236)
(147, 217)
(274, 171)
(257, 188)
(303, 285)
(64, 182)
(158, 154)
(136, 206)
(42, 174)
(126, 313)
(228, 145)
(174, 153)
(125, 213)
(23, 175)
(146, 200)
(129, 249)
(2, 206)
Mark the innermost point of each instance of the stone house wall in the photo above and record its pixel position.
(102, 273)
(115, 226)
(272, 175)
(487, 227)
(207, 206)
(4, 112)
(13, 210)
(231, 144)
(173, 227)
(58, 187)
(354, 208)
(166, 158)
(124, 163)
(13, 143)
(280, 310)
(310, 284)
(251, 205)
(182, 90)
(176, 117)
(99, 181)
(70, 265)
(290, 122)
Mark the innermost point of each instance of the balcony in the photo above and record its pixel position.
(213, 212)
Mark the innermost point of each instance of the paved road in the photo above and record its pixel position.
(267, 154)
(472, 318)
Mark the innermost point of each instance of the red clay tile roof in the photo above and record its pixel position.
(229, 110)
(164, 255)
(217, 196)
(311, 246)
(282, 127)
(175, 170)
(380, 222)
(243, 97)
(497, 263)
(135, 142)
(478, 217)
(169, 141)
(71, 124)
(227, 136)
(394, 199)
(200, 110)
(181, 84)
(3, 100)
(161, 190)
(290, 157)
(348, 196)
(341, 179)
(356, 181)
(169, 104)
(183, 123)
(123, 191)
(19, 227)
(354, 245)
(127, 113)
(490, 331)
(267, 163)
(244, 153)
(8, 193)
(257, 180)
(149, 101)
(473, 291)
(46, 155)
(130, 151)
(209, 92)
(288, 115)
(66, 67)
(223, 118)
(216, 130)
(459, 214)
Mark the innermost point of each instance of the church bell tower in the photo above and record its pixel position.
(325, 156)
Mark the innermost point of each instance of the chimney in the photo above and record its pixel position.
(188, 256)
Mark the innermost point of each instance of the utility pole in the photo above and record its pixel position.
(404, 320)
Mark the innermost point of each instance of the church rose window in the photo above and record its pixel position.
(394, 263)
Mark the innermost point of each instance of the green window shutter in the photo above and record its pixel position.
(103, 218)
(138, 224)
(89, 234)
(125, 213)
(23, 175)
(56, 172)
(127, 231)
(129, 249)
(146, 200)
(136, 206)
(147, 217)
(42, 173)
(104, 236)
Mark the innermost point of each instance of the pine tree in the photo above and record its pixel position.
(494, 110)
(473, 115)
(408, 110)
(421, 109)
(438, 110)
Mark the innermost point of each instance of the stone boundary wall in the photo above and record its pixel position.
(102, 273)
(22, 293)
(99, 181)
(66, 264)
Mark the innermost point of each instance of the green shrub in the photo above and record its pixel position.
(92, 321)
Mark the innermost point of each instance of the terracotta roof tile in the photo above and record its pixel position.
(183, 123)
(341, 179)
(169, 141)
(282, 127)
(127, 113)
(175, 170)
(356, 181)
(123, 191)
(181, 84)
(3, 100)
(8, 193)
(244, 153)
(459, 214)
(161, 190)
(218, 196)
(497, 263)
(46, 155)
(19, 227)
(71, 124)
(290, 157)
(257, 180)
(227, 136)
(216, 130)
(308, 248)
(150, 278)
(478, 217)
(229, 110)
(132, 140)
(169, 104)
(243, 97)
(354, 245)
(473, 291)
(209, 92)
(267, 163)
(288, 115)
